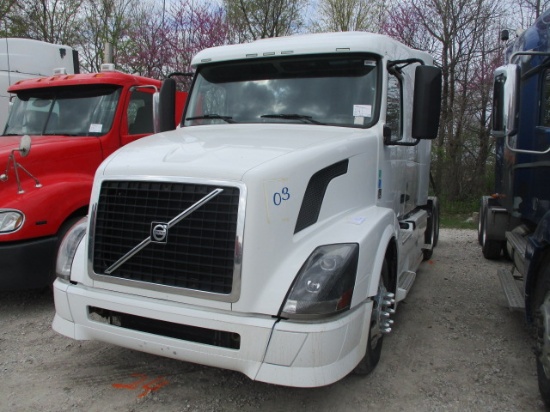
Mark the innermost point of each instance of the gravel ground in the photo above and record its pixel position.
(454, 347)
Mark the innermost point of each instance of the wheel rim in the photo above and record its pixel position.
(376, 317)
(480, 225)
(484, 233)
(544, 335)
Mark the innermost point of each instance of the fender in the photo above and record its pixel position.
(389, 235)
(537, 245)
(42, 221)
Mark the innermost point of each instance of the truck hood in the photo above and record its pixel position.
(9, 143)
(273, 164)
(216, 152)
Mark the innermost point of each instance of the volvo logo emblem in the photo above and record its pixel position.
(159, 232)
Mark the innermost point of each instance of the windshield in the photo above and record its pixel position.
(332, 90)
(71, 111)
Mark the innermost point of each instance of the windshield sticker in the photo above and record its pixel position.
(95, 128)
(364, 110)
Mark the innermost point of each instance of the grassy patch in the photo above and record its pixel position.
(459, 214)
(457, 221)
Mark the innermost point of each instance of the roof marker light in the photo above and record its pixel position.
(107, 67)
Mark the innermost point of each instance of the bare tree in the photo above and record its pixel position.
(164, 41)
(143, 49)
(348, 15)
(193, 27)
(523, 14)
(459, 33)
(534, 8)
(53, 21)
(6, 8)
(104, 21)
(257, 19)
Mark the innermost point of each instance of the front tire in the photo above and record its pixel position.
(481, 224)
(376, 331)
(432, 231)
(541, 311)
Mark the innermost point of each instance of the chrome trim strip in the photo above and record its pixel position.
(237, 269)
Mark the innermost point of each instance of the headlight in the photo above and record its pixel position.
(324, 285)
(67, 249)
(11, 220)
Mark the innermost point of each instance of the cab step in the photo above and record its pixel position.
(405, 283)
(514, 295)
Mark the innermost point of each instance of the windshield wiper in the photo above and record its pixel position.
(227, 119)
(305, 119)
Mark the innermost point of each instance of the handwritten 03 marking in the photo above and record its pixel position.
(144, 383)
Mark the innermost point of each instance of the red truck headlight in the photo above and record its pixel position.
(11, 220)
(324, 286)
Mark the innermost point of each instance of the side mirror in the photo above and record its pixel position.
(505, 101)
(511, 98)
(164, 114)
(427, 102)
(25, 145)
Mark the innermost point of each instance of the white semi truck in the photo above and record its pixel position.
(275, 231)
(26, 58)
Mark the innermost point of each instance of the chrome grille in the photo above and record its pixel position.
(200, 250)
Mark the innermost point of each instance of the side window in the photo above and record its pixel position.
(395, 107)
(140, 113)
(545, 103)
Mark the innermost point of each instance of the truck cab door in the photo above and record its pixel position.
(139, 116)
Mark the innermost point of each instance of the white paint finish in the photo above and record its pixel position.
(344, 42)
(274, 162)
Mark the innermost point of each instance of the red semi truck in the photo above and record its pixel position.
(59, 130)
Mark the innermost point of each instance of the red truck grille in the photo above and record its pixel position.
(198, 253)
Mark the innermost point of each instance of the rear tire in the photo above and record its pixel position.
(541, 312)
(490, 248)
(480, 224)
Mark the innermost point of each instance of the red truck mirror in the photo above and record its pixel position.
(25, 145)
